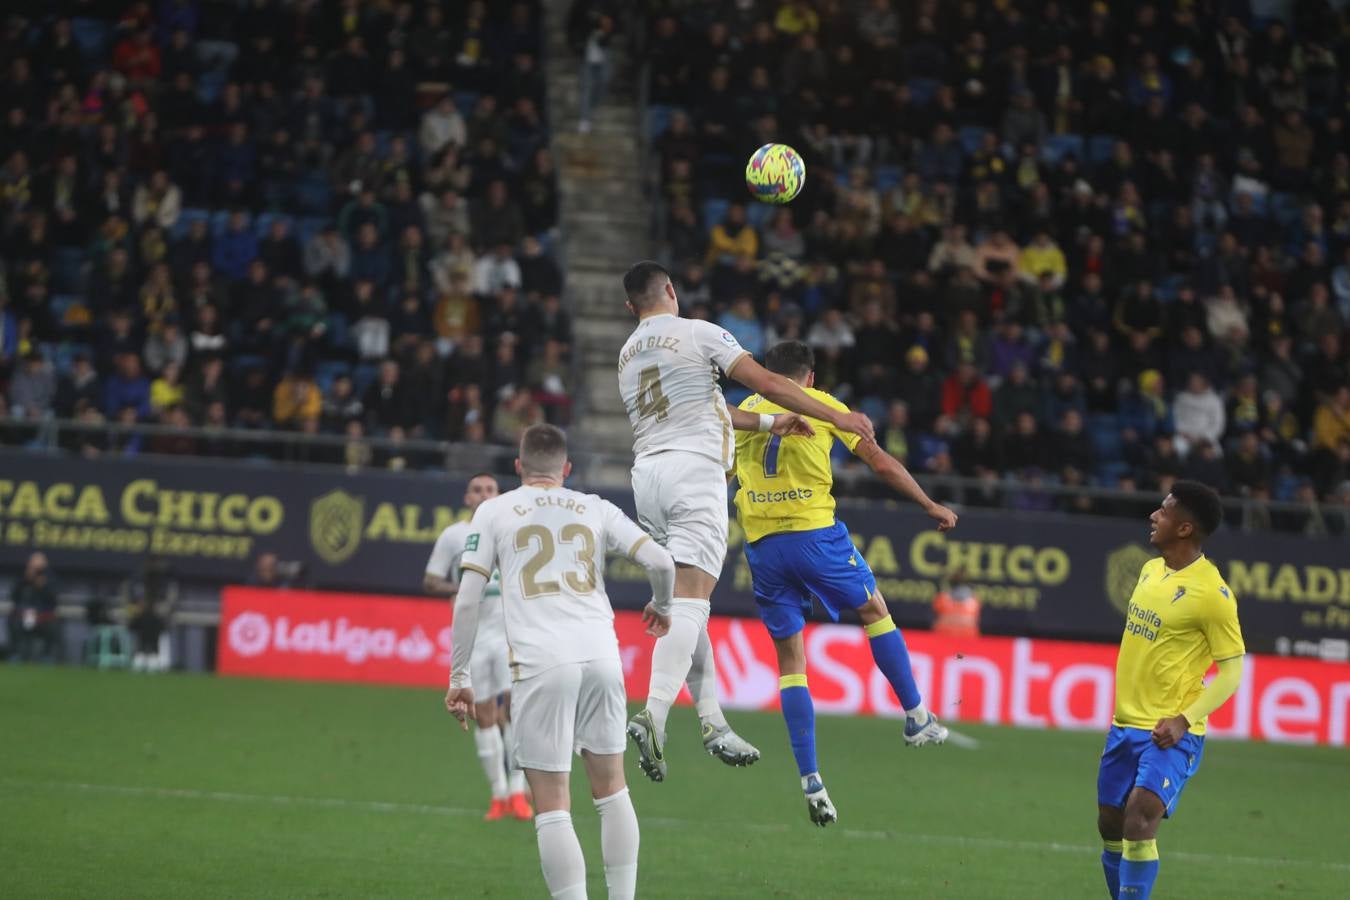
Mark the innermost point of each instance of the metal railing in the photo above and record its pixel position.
(854, 483)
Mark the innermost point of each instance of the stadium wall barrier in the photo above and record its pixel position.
(1010, 681)
(1043, 575)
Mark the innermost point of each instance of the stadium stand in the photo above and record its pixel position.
(1093, 245)
(305, 217)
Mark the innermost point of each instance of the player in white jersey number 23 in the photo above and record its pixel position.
(684, 449)
(549, 544)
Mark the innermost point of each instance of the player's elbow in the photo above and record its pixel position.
(430, 584)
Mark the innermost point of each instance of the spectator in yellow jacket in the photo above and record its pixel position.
(732, 240)
(1043, 255)
(297, 399)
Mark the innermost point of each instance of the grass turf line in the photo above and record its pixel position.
(118, 785)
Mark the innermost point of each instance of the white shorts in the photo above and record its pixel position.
(490, 669)
(681, 501)
(567, 709)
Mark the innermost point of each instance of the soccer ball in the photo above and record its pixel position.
(775, 174)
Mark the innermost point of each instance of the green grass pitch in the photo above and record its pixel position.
(114, 785)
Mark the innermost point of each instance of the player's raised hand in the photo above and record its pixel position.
(1169, 732)
(859, 424)
(786, 424)
(657, 623)
(460, 703)
(945, 518)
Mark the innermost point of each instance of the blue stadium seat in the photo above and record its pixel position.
(714, 211)
(306, 227)
(363, 375)
(244, 362)
(67, 270)
(262, 223)
(1099, 149)
(1260, 202)
(220, 220)
(759, 214)
(1058, 146)
(314, 194)
(210, 84)
(923, 90)
(91, 36)
(465, 101)
(971, 137)
(1109, 473)
(1104, 432)
(888, 177)
(189, 215)
(1285, 208)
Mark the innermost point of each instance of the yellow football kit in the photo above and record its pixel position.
(1177, 625)
(786, 483)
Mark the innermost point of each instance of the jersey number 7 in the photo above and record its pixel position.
(771, 456)
(651, 400)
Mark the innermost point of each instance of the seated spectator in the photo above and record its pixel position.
(279, 250)
(441, 125)
(327, 255)
(1024, 449)
(166, 347)
(78, 389)
(158, 200)
(732, 240)
(966, 395)
(1199, 415)
(1017, 394)
(127, 388)
(495, 271)
(1071, 449)
(539, 274)
(387, 401)
(744, 325)
(996, 255)
(496, 218)
(33, 389)
(1043, 256)
(1331, 421)
(296, 400)
(166, 390)
(235, 247)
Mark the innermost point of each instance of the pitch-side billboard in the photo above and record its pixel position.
(1010, 681)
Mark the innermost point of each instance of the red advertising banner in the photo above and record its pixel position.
(1011, 681)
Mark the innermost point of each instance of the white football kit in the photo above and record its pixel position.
(549, 545)
(682, 434)
(489, 666)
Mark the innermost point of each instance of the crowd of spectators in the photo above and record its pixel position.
(322, 217)
(1066, 241)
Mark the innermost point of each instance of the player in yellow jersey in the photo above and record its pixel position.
(1182, 618)
(798, 552)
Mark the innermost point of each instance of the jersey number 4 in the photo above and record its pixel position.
(580, 535)
(651, 400)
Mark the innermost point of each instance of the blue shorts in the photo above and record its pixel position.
(791, 569)
(1131, 760)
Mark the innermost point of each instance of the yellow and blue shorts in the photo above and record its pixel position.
(792, 569)
(1132, 760)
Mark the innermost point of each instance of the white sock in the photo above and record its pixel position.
(702, 682)
(560, 855)
(806, 780)
(515, 778)
(619, 843)
(489, 744)
(918, 713)
(672, 655)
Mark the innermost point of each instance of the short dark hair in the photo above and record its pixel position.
(484, 474)
(637, 281)
(1201, 503)
(791, 358)
(543, 450)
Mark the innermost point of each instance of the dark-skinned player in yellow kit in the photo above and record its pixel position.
(1182, 619)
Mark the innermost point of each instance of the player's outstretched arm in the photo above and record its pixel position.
(783, 424)
(459, 698)
(890, 470)
(789, 395)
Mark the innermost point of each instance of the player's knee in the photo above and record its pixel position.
(485, 714)
(874, 610)
(1109, 824)
(1140, 824)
